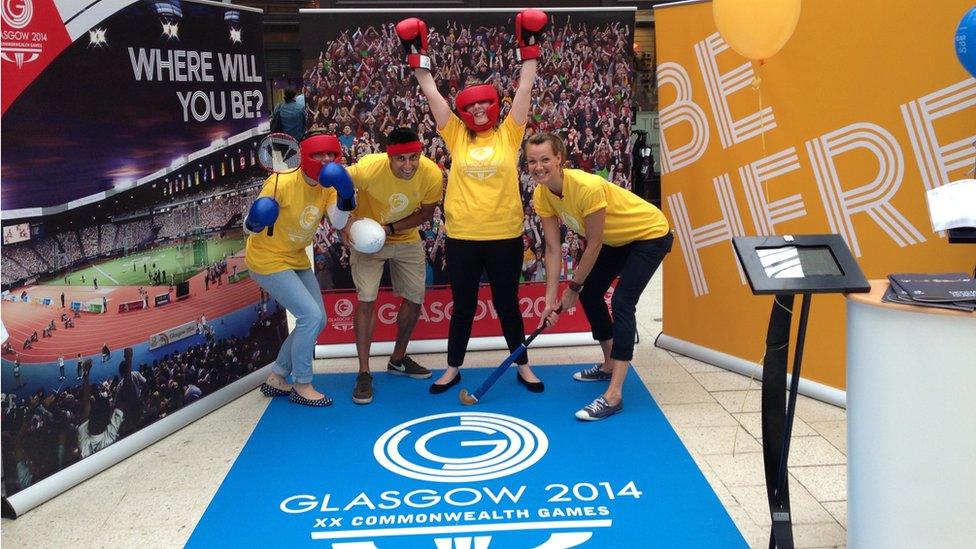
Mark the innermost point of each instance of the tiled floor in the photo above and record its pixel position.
(155, 498)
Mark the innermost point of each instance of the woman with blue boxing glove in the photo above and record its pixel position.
(291, 206)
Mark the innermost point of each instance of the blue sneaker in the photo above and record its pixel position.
(592, 374)
(599, 409)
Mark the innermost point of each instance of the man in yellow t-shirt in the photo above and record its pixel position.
(398, 189)
(626, 239)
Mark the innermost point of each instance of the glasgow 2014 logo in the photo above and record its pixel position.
(17, 13)
(481, 446)
(20, 46)
(460, 449)
(343, 320)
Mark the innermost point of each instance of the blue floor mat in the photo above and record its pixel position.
(414, 470)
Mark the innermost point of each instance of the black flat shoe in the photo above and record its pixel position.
(272, 391)
(299, 399)
(532, 386)
(436, 389)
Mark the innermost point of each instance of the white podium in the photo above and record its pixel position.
(911, 424)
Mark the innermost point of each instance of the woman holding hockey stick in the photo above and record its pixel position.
(483, 207)
(626, 239)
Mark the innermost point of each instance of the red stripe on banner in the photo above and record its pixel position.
(435, 315)
(32, 36)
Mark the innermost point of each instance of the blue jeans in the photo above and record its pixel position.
(297, 291)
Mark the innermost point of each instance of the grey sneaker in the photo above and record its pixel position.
(599, 409)
(592, 374)
(409, 368)
(363, 392)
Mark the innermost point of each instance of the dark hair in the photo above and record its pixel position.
(402, 135)
(558, 147)
(290, 95)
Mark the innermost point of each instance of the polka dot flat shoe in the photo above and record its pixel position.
(299, 399)
(272, 391)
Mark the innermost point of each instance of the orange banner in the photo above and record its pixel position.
(843, 131)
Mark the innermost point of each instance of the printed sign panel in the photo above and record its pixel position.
(357, 86)
(128, 137)
(843, 131)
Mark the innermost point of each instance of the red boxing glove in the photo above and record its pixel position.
(529, 26)
(413, 36)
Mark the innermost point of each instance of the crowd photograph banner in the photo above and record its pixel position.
(129, 132)
(807, 140)
(358, 87)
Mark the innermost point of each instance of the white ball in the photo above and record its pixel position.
(367, 236)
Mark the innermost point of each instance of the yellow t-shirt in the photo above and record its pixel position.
(483, 200)
(386, 198)
(628, 217)
(301, 207)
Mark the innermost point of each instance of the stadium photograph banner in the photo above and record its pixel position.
(129, 131)
(843, 131)
(358, 87)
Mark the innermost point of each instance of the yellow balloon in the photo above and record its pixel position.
(756, 29)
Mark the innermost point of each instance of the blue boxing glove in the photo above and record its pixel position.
(263, 213)
(335, 175)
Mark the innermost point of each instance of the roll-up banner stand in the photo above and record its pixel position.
(129, 132)
(358, 86)
(843, 131)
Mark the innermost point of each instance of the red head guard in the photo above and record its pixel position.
(314, 145)
(476, 94)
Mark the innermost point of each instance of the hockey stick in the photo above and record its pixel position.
(471, 398)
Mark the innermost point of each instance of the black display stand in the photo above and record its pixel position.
(785, 266)
(962, 235)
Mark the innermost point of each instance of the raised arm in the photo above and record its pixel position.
(523, 94)
(413, 36)
(439, 107)
(529, 26)
(85, 391)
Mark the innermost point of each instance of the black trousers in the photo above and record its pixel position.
(502, 261)
(635, 264)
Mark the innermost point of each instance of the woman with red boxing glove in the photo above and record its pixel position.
(482, 205)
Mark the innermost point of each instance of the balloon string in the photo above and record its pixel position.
(757, 85)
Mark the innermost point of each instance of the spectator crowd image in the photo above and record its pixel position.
(110, 268)
(49, 430)
(124, 288)
(357, 87)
